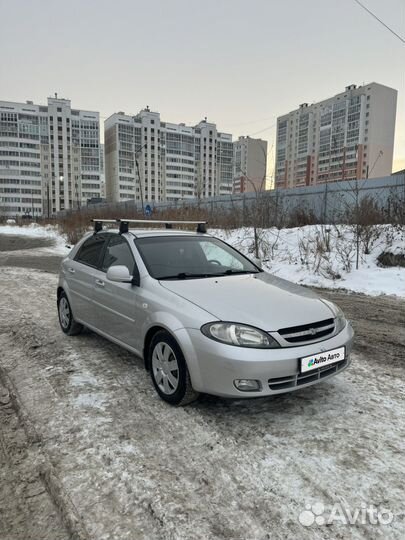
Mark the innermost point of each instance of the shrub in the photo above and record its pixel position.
(387, 259)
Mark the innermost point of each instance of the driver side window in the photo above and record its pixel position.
(118, 253)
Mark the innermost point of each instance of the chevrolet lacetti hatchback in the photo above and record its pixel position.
(202, 315)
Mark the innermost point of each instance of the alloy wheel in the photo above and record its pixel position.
(64, 313)
(165, 368)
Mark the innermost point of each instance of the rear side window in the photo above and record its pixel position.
(91, 250)
(118, 253)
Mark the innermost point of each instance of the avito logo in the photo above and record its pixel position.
(311, 362)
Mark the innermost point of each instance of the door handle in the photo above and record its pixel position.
(71, 270)
(99, 283)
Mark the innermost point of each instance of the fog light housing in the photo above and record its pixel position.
(247, 385)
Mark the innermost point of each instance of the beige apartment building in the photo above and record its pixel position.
(250, 164)
(345, 137)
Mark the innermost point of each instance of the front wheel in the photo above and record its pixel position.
(66, 320)
(169, 371)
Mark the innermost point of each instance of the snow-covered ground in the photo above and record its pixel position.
(315, 255)
(129, 466)
(134, 467)
(299, 255)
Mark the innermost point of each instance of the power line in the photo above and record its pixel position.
(380, 21)
(251, 122)
(265, 129)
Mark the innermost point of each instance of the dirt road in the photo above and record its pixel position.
(28, 252)
(120, 464)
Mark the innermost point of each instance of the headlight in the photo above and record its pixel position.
(340, 323)
(339, 316)
(239, 335)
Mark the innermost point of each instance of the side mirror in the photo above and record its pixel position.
(119, 273)
(257, 262)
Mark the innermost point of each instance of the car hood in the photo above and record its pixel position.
(262, 300)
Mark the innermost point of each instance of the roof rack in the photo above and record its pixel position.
(124, 224)
(98, 223)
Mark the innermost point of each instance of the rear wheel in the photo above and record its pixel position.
(169, 371)
(66, 320)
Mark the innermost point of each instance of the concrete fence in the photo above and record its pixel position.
(325, 202)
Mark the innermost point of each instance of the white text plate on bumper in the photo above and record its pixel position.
(322, 359)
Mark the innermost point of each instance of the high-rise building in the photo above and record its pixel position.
(249, 165)
(348, 136)
(49, 157)
(147, 159)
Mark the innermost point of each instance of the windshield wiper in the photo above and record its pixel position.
(232, 272)
(186, 275)
(190, 275)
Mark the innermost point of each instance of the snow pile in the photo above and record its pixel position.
(325, 256)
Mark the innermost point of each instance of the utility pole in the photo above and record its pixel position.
(47, 197)
(140, 184)
(136, 152)
(77, 195)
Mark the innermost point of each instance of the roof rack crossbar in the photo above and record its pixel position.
(172, 221)
(168, 223)
(124, 223)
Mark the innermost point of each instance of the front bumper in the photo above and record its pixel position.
(214, 366)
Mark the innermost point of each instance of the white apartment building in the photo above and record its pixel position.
(49, 157)
(249, 165)
(150, 160)
(346, 137)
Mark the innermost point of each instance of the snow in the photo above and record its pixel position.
(295, 254)
(134, 467)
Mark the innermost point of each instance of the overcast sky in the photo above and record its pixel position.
(240, 63)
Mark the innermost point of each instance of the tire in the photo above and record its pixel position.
(66, 320)
(168, 370)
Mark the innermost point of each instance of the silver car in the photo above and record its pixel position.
(203, 317)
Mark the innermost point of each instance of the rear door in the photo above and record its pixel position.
(80, 275)
(117, 304)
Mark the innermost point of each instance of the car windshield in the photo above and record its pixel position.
(192, 257)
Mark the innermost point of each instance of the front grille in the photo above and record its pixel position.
(280, 383)
(308, 332)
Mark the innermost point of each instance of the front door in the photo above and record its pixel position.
(116, 304)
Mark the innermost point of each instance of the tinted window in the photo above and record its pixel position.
(118, 253)
(169, 256)
(91, 250)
